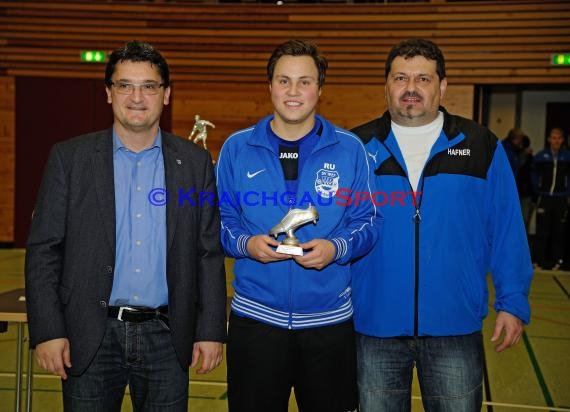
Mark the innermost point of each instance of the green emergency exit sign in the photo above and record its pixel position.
(93, 56)
(560, 59)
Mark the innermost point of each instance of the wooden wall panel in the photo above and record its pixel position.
(229, 108)
(218, 52)
(490, 42)
(7, 156)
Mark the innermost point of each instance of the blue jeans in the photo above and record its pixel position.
(140, 355)
(450, 372)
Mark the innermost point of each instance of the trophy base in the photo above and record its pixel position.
(290, 250)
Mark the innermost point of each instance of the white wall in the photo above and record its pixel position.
(533, 114)
(502, 112)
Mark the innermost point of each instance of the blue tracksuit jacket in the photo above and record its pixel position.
(253, 198)
(426, 275)
(551, 175)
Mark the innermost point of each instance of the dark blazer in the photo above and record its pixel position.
(70, 256)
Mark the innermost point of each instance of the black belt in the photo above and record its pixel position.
(138, 314)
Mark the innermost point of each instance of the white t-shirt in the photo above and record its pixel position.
(415, 144)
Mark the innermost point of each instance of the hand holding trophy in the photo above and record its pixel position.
(291, 221)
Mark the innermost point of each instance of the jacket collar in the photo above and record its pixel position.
(259, 136)
(105, 182)
(174, 176)
(450, 128)
(450, 135)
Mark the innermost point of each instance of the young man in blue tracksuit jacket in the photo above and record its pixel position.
(291, 321)
(420, 296)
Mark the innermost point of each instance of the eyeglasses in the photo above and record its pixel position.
(149, 88)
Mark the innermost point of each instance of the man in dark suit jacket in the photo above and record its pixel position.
(125, 279)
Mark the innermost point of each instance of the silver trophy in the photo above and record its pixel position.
(291, 221)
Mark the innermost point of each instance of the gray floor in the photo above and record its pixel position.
(533, 376)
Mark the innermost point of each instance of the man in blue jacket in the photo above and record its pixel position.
(420, 295)
(551, 178)
(291, 321)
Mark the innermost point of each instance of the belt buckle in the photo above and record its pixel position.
(122, 309)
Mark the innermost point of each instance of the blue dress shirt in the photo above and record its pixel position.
(140, 266)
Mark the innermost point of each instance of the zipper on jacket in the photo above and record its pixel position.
(417, 219)
(554, 172)
(290, 294)
(290, 276)
(292, 204)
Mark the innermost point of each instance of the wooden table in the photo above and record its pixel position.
(13, 309)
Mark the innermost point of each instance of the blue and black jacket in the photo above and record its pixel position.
(551, 174)
(427, 274)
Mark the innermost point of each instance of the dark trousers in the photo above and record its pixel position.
(551, 216)
(265, 362)
(140, 355)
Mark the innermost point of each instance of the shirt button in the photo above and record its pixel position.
(137, 270)
(135, 297)
(138, 242)
(138, 215)
(139, 188)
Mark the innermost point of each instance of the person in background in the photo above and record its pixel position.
(291, 316)
(519, 154)
(420, 295)
(523, 179)
(551, 176)
(122, 287)
(513, 146)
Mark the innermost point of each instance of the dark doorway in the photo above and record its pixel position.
(557, 115)
(49, 110)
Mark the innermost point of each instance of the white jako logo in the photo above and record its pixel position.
(288, 155)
